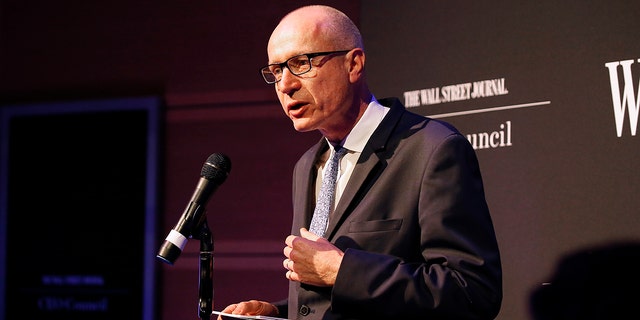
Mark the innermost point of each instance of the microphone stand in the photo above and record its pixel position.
(205, 285)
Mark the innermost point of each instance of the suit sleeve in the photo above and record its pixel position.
(459, 275)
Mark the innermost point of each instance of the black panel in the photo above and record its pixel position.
(76, 214)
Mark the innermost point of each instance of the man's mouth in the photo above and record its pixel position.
(295, 106)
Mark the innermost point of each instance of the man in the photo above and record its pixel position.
(410, 235)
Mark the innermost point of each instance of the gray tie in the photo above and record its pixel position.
(327, 195)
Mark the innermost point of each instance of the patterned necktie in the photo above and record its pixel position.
(327, 195)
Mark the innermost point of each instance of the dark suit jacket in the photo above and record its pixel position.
(413, 223)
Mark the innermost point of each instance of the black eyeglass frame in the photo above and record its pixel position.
(284, 64)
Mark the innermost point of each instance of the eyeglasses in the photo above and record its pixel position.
(298, 65)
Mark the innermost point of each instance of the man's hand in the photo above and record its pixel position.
(251, 308)
(311, 259)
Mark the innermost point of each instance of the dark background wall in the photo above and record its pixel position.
(566, 180)
(202, 59)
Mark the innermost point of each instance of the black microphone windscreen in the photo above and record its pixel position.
(216, 168)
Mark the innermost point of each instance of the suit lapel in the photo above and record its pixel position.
(371, 162)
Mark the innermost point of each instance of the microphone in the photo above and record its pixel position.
(214, 173)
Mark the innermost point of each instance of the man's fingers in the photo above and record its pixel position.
(308, 234)
(288, 264)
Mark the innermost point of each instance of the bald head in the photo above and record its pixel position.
(317, 24)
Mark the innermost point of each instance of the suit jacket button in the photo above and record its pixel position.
(304, 310)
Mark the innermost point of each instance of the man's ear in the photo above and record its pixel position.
(356, 64)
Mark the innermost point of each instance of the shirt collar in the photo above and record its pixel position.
(364, 128)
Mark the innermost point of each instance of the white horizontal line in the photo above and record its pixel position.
(514, 106)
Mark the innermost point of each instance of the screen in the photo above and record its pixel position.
(78, 181)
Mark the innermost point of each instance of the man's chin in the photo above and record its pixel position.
(302, 125)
